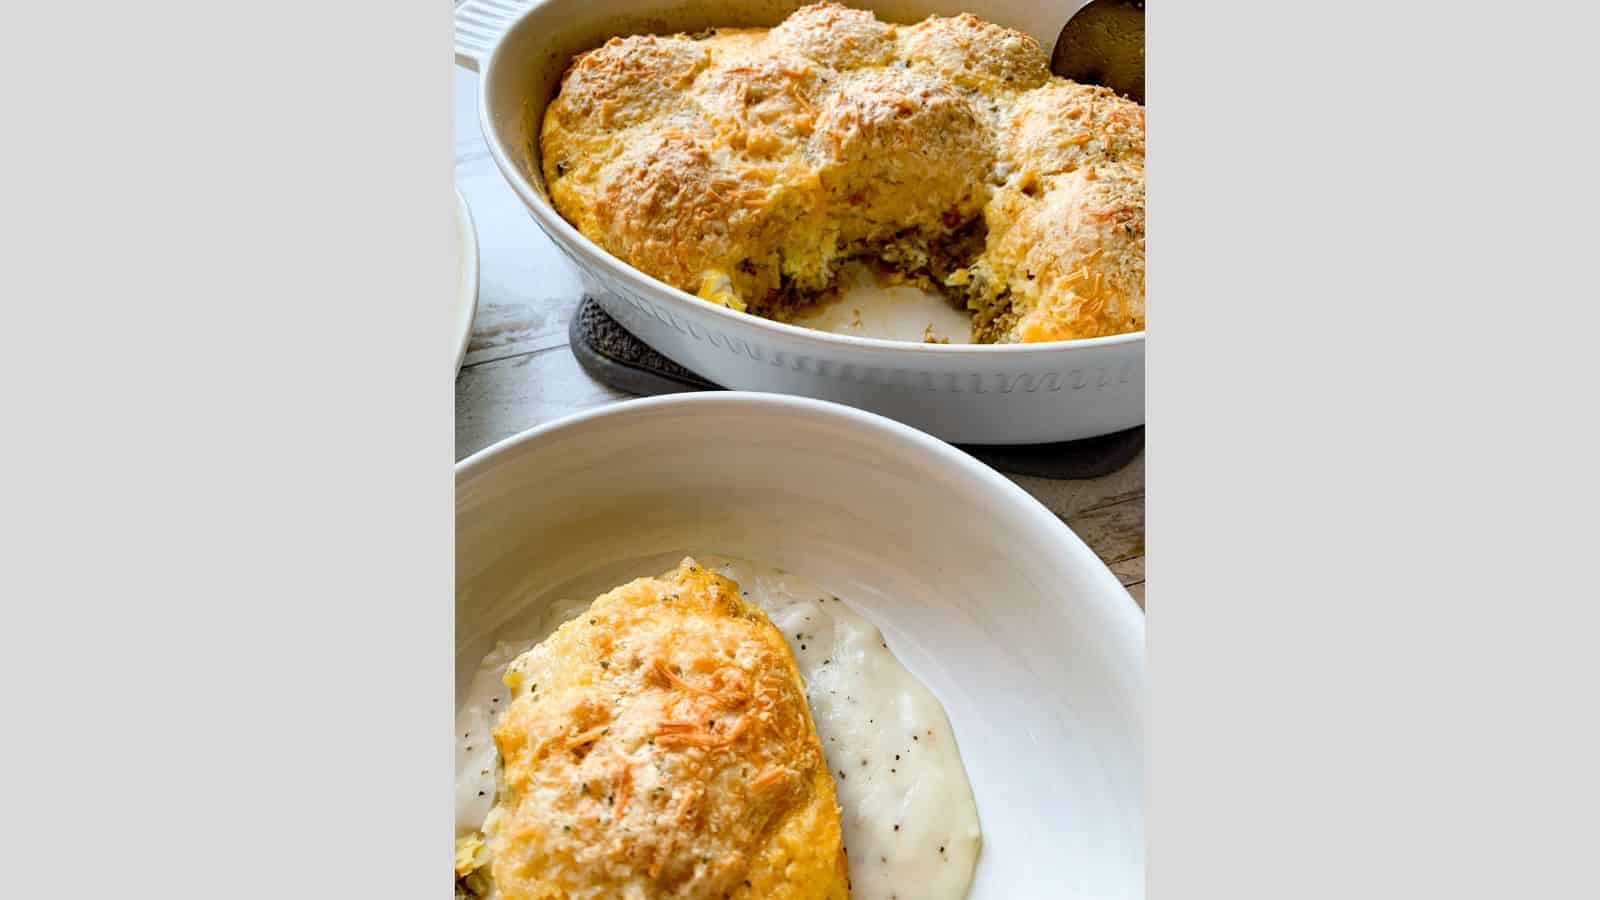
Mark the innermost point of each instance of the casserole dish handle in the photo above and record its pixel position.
(479, 26)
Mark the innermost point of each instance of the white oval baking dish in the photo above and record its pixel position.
(1034, 649)
(978, 394)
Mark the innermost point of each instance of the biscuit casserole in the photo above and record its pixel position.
(746, 165)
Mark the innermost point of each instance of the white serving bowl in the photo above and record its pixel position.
(977, 394)
(1035, 650)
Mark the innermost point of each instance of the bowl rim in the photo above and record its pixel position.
(1122, 613)
(553, 224)
(467, 237)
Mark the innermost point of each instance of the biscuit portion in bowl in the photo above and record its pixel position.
(660, 744)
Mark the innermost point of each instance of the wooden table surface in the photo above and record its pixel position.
(518, 372)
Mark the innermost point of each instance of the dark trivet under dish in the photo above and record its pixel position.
(613, 355)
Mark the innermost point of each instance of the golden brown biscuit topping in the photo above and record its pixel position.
(660, 745)
(747, 165)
